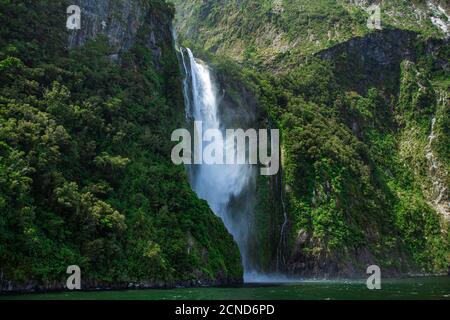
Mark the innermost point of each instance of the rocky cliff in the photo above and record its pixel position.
(274, 33)
(91, 183)
(120, 22)
(356, 109)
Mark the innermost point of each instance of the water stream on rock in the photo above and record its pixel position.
(224, 187)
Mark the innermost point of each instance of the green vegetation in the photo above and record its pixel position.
(85, 170)
(357, 184)
(274, 33)
(355, 168)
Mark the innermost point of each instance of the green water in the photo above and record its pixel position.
(411, 288)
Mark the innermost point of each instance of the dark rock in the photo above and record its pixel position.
(121, 22)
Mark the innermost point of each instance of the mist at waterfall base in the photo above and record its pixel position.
(228, 189)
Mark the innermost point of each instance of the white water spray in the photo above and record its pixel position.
(220, 185)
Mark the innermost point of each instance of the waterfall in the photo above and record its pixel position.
(436, 171)
(224, 187)
(281, 262)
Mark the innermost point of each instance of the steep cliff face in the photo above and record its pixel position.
(379, 61)
(91, 182)
(414, 184)
(358, 184)
(375, 59)
(274, 33)
(120, 22)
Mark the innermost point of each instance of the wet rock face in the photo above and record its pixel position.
(383, 47)
(122, 21)
(375, 57)
(118, 20)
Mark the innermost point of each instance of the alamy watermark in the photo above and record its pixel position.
(374, 21)
(74, 280)
(278, 6)
(374, 281)
(235, 147)
(74, 18)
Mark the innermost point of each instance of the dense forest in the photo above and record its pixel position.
(364, 116)
(85, 171)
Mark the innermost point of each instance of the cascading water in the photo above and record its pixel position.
(224, 187)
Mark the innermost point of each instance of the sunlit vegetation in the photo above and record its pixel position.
(85, 170)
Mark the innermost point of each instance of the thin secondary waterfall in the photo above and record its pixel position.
(222, 186)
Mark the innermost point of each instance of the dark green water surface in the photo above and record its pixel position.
(392, 289)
